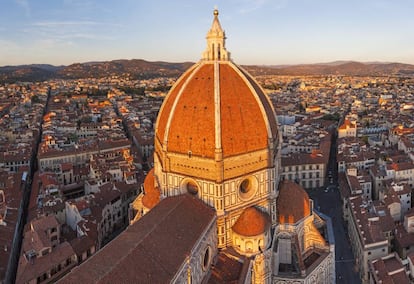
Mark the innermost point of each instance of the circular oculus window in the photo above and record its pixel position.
(247, 188)
(192, 187)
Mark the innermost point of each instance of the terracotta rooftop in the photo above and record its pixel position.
(389, 270)
(370, 225)
(362, 156)
(82, 244)
(252, 222)
(403, 239)
(31, 270)
(344, 188)
(347, 124)
(304, 159)
(36, 237)
(400, 166)
(12, 192)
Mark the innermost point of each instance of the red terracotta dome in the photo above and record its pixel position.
(187, 120)
(292, 203)
(152, 193)
(215, 106)
(252, 222)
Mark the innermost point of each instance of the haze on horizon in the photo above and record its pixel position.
(259, 32)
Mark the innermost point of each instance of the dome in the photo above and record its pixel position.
(152, 193)
(292, 203)
(216, 107)
(252, 222)
(244, 116)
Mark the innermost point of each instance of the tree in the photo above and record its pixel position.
(73, 137)
(35, 99)
(334, 117)
(365, 139)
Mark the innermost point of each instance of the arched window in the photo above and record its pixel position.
(206, 258)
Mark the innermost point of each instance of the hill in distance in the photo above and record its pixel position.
(350, 68)
(141, 69)
(135, 68)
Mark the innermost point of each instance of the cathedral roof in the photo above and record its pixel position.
(152, 193)
(187, 121)
(153, 249)
(292, 203)
(252, 222)
(216, 107)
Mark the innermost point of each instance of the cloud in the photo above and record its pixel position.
(45, 50)
(60, 24)
(65, 23)
(85, 36)
(249, 6)
(64, 31)
(79, 3)
(25, 5)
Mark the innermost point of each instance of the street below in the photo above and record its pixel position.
(329, 203)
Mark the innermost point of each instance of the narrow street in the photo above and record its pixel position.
(328, 201)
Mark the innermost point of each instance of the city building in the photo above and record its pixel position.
(10, 196)
(101, 214)
(347, 129)
(388, 269)
(370, 229)
(44, 258)
(309, 170)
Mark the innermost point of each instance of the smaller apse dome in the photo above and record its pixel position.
(252, 222)
(292, 203)
(152, 193)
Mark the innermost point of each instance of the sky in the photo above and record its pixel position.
(259, 32)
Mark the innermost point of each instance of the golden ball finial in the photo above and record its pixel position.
(215, 11)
